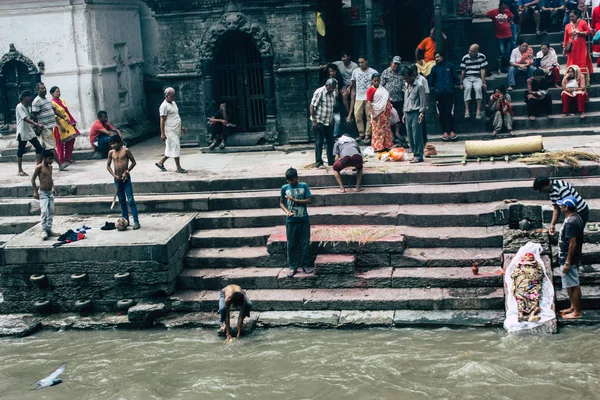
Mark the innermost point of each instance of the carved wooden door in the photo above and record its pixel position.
(239, 83)
(15, 79)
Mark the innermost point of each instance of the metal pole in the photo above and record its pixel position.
(437, 11)
(369, 17)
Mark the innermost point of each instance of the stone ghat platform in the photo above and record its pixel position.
(93, 274)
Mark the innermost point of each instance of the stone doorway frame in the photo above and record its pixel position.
(235, 21)
(34, 74)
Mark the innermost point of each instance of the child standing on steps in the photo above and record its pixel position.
(46, 192)
(121, 156)
(295, 196)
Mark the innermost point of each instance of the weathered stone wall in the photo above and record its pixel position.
(291, 30)
(32, 270)
(92, 51)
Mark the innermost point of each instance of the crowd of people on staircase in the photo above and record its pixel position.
(389, 109)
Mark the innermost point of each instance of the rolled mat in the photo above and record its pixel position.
(502, 147)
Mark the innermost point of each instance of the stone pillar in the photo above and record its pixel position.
(369, 18)
(271, 128)
(439, 39)
(209, 106)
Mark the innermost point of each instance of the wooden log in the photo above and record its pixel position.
(502, 147)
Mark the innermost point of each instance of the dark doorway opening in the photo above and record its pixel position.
(239, 82)
(14, 78)
(413, 21)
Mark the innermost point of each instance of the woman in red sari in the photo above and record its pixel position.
(575, 44)
(380, 109)
(65, 130)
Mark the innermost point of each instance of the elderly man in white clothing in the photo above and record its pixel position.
(170, 130)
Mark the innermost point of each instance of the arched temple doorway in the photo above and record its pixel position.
(17, 73)
(239, 82)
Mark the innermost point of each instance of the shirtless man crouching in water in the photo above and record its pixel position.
(233, 295)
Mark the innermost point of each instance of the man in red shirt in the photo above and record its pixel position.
(101, 132)
(502, 19)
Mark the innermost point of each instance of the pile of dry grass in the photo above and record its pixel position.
(558, 158)
(362, 235)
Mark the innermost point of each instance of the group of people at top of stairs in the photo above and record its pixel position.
(390, 107)
(543, 69)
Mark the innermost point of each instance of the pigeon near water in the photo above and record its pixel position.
(51, 379)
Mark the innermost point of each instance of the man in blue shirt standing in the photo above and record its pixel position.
(294, 198)
(442, 79)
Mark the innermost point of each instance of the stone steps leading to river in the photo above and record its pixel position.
(274, 278)
(590, 298)
(349, 299)
(413, 236)
(411, 257)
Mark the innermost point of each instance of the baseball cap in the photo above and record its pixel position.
(397, 60)
(568, 201)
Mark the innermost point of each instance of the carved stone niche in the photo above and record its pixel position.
(14, 55)
(235, 22)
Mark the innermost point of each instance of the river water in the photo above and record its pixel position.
(305, 364)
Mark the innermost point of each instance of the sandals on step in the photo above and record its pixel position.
(161, 167)
(291, 273)
(181, 171)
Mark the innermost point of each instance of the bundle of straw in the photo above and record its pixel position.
(363, 235)
(557, 158)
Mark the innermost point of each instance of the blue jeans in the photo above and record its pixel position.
(103, 145)
(515, 29)
(338, 124)
(298, 239)
(504, 49)
(243, 313)
(512, 72)
(126, 189)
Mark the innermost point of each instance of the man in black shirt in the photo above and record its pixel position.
(570, 241)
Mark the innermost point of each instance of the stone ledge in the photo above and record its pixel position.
(19, 325)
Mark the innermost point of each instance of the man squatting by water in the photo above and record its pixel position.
(233, 295)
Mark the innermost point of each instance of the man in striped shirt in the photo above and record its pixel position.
(321, 115)
(472, 77)
(559, 190)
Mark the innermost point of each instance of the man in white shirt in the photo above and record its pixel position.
(361, 81)
(345, 67)
(170, 130)
(25, 132)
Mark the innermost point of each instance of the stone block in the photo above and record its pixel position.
(449, 318)
(157, 241)
(334, 264)
(362, 319)
(147, 312)
(19, 325)
(514, 239)
(373, 260)
(191, 320)
(304, 319)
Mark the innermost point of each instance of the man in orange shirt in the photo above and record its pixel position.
(427, 46)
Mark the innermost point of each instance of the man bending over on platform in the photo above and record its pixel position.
(559, 190)
(570, 241)
(347, 154)
(233, 295)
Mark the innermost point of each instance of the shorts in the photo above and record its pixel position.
(172, 145)
(23, 143)
(46, 139)
(571, 278)
(355, 161)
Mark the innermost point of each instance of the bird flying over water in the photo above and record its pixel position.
(51, 379)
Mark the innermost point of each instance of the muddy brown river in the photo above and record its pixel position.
(305, 364)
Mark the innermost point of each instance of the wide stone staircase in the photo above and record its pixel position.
(406, 245)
